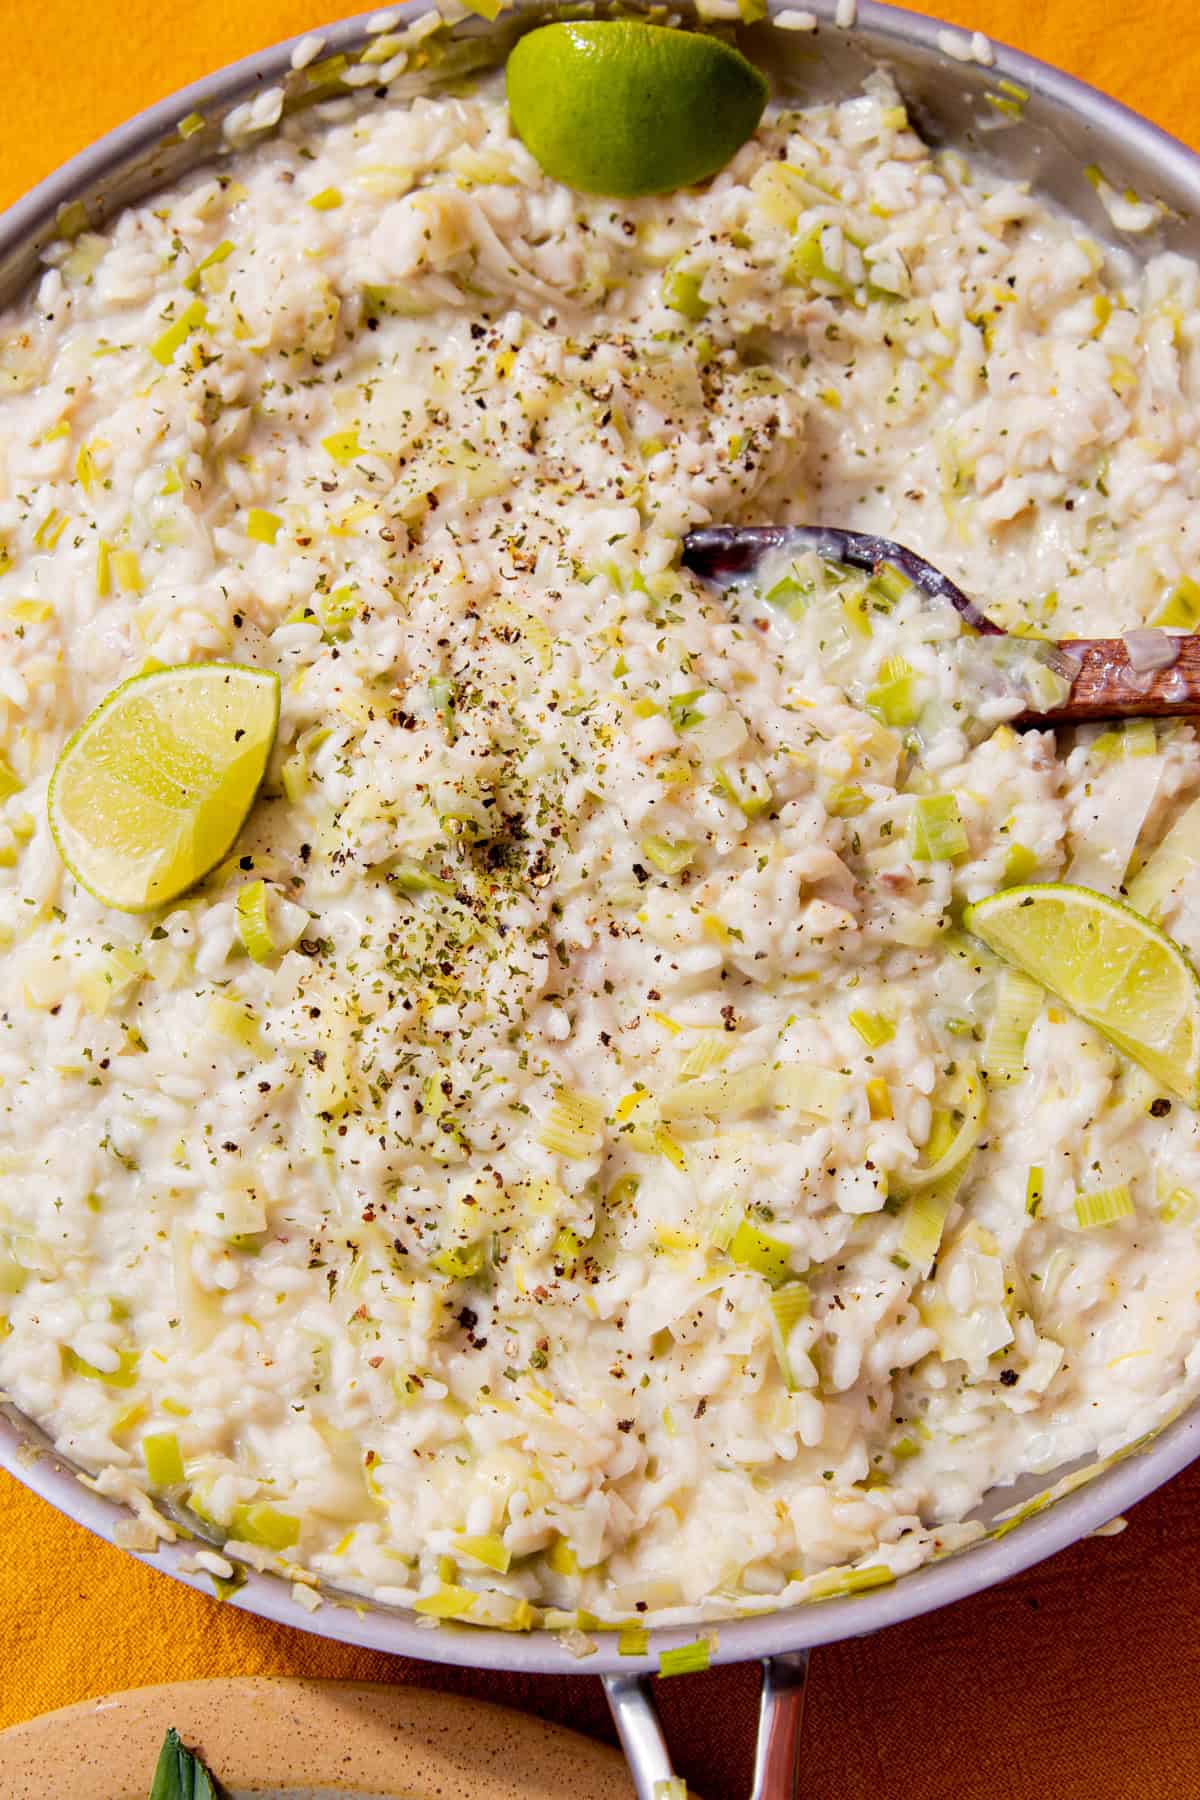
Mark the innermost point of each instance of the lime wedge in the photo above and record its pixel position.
(1109, 965)
(616, 106)
(154, 787)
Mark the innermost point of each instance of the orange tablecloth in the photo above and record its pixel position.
(1079, 1680)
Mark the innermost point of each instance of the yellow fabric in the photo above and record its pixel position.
(1074, 1681)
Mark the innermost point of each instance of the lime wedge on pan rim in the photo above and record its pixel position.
(622, 107)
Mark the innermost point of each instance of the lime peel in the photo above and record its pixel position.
(622, 107)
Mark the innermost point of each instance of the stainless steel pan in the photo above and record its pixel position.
(1066, 128)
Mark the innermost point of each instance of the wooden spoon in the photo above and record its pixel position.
(1148, 674)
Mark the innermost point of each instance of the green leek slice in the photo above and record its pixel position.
(789, 1304)
(936, 831)
(574, 1126)
(1103, 1206)
(752, 1248)
(970, 1107)
(264, 1525)
(251, 924)
(123, 1376)
(873, 1028)
(163, 1459)
(490, 1550)
(686, 1659)
(1019, 1000)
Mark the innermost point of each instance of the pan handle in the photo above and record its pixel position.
(780, 1718)
(641, 1736)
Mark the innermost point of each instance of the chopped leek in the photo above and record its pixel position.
(339, 611)
(708, 1052)
(667, 857)
(925, 1216)
(86, 472)
(872, 1028)
(879, 1098)
(806, 264)
(459, 1263)
(681, 291)
(1034, 1190)
(13, 1273)
(250, 918)
(846, 801)
(961, 1132)
(234, 1020)
(574, 1126)
(683, 709)
(447, 1602)
(51, 529)
(491, 1551)
(326, 200)
(411, 878)
(936, 831)
(719, 1096)
(123, 1376)
(789, 1304)
(752, 1248)
(687, 1659)
(127, 569)
(1182, 609)
(215, 257)
(565, 1250)
(633, 1640)
(561, 1558)
(834, 1583)
(165, 347)
(225, 1586)
(163, 1458)
(747, 787)
(895, 698)
(1180, 1204)
(1103, 1206)
(623, 1190)
(1167, 867)
(790, 594)
(1020, 863)
(342, 446)
(888, 584)
(1018, 1002)
(265, 1526)
(810, 1089)
(262, 527)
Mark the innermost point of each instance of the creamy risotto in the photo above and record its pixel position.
(541, 1223)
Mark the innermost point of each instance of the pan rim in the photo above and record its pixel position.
(24, 1451)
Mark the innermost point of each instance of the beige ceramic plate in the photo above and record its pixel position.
(308, 1740)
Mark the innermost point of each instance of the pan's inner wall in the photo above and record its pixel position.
(1064, 133)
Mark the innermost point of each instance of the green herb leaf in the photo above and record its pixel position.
(180, 1774)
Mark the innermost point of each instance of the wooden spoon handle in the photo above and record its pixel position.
(1105, 684)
